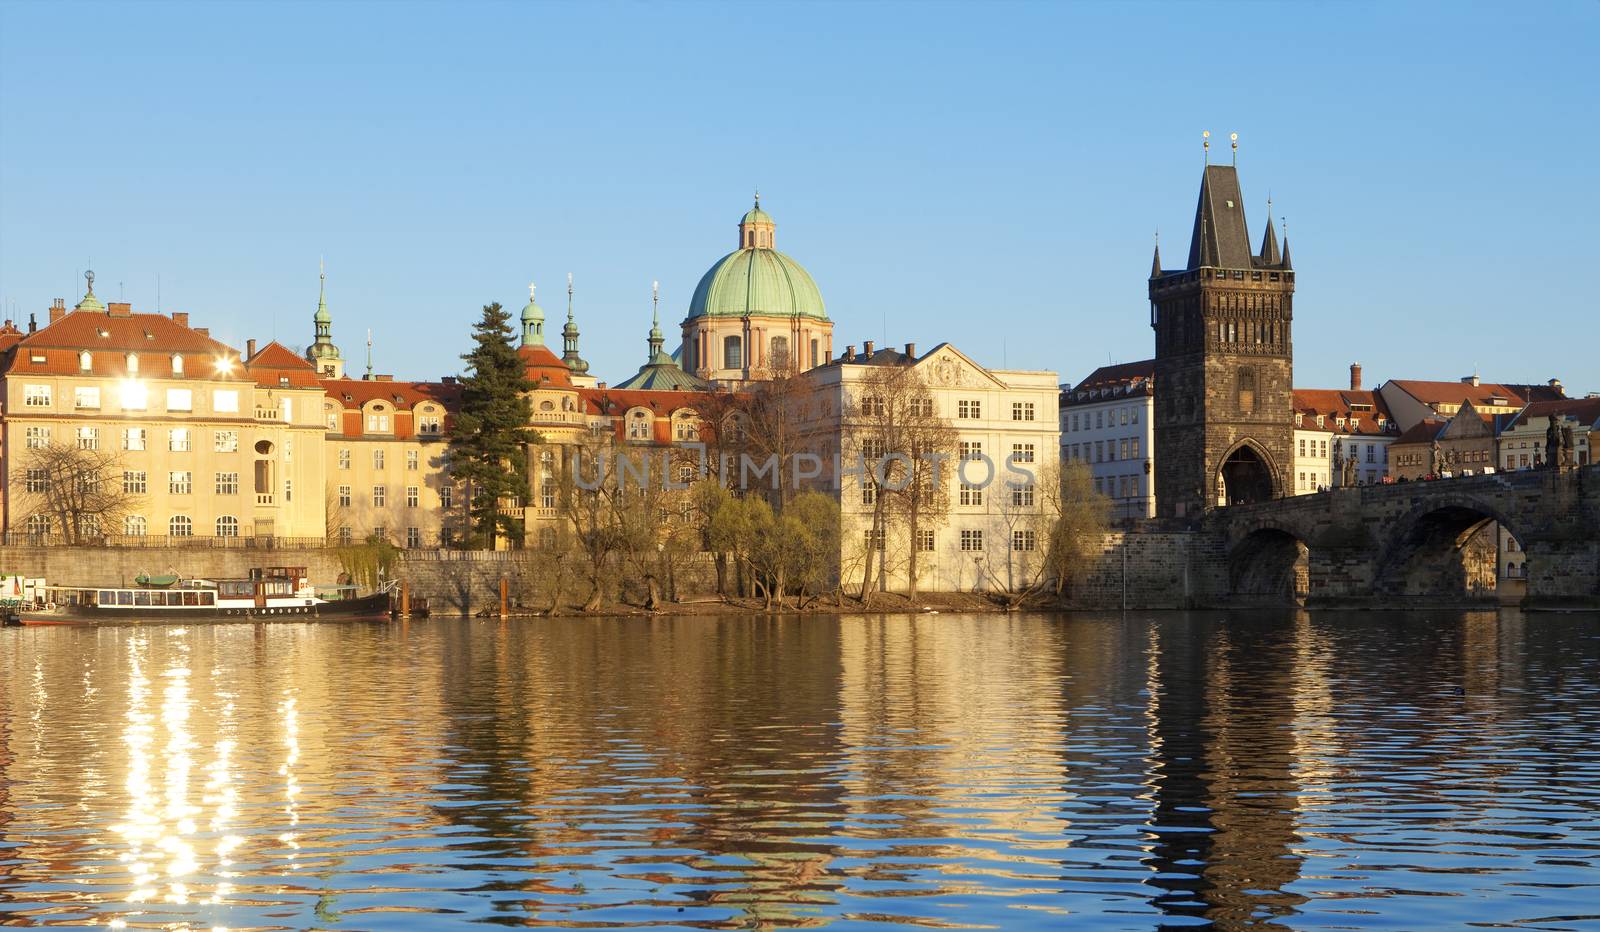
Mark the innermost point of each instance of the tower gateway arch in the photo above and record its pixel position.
(1224, 354)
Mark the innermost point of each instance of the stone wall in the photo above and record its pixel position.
(1157, 570)
(117, 566)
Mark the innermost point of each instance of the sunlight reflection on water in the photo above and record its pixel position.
(1289, 770)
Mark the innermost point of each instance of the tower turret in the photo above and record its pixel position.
(532, 320)
(322, 353)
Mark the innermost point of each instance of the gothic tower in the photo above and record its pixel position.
(1224, 360)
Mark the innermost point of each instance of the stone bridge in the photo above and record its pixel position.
(1419, 543)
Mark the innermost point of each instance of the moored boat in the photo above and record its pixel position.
(281, 593)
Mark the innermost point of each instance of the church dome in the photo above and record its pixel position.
(757, 279)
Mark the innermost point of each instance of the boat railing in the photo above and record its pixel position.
(164, 542)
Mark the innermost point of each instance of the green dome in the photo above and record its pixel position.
(756, 215)
(757, 281)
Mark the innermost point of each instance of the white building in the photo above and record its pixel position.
(1343, 424)
(1107, 422)
(990, 533)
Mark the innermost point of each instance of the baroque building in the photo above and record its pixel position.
(1224, 360)
(756, 312)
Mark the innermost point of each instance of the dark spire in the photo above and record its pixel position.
(1220, 237)
(1155, 264)
(1269, 242)
(1286, 263)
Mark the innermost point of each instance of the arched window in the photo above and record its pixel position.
(732, 353)
(180, 526)
(177, 364)
(133, 362)
(134, 525)
(85, 361)
(1247, 391)
(227, 526)
(547, 538)
(639, 424)
(780, 352)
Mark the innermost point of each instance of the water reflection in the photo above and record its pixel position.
(1285, 771)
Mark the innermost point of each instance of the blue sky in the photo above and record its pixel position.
(988, 174)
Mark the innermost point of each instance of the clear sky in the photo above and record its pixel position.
(990, 174)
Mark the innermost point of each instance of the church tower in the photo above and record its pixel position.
(1224, 369)
(322, 353)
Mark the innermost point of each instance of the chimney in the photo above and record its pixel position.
(1555, 386)
(249, 350)
(911, 350)
(866, 348)
(1470, 379)
(203, 331)
(119, 309)
(58, 310)
(33, 324)
(850, 353)
(181, 318)
(1355, 376)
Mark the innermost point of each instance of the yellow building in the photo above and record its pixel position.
(201, 444)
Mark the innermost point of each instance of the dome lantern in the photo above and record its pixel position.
(532, 320)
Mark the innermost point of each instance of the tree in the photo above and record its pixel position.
(489, 445)
(771, 413)
(1076, 518)
(76, 491)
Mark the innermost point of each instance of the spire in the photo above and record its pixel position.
(1286, 263)
(532, 320)
(1269, 240)
(1220, 238)
(369, 354)
(569, 338)
(322, 316)
(322, 353)
(1155, 264)
(656, 338)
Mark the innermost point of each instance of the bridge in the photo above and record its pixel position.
(1419, 543)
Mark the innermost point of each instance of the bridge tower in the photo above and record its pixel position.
(1224, 371)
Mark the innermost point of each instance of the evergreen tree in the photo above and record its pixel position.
(489, 445)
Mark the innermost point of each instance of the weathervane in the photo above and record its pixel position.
(1235, 138)
(1205, 143)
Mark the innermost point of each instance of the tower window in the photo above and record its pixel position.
(732, 353)
(1247, 391)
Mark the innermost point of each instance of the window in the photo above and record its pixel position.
(732, 353)
(970, 449)
(1124, 417)
(178, 440)
(869, 492)
(225, 441)
(412, 460)
(1372, 453)
(333, 419)
(286, 410)
(134, 525)
(86, 396)
(428, 424)
(180, 482)
(344, 535)
(180, 526)
(227, 483)
(925, 541)
(874, 540)
(1133, 445)
(134, 396)
(377, 458)
(547, 538)
(85, 361)
(377, 423)
(380, 496)
(1023, 540)
(1099, 451)
(227, 526)
(177, 365)
(414, 537)
(1134, 417)
(1247, 391)
(225, 401)
(180, 399)
(36, 396)
(1099, 419)
(133, 362)
(88, 438)
(969, 409)
(872, 406)
(39, 524)
(134, 482)
(445, 496)
(971, 541)
(922, 407)
(413, 496)
(1022, 497)
(779, 353)
(38, 480)
(380, 532)
(1023, 411)
(38, 438)
(344, 458)
(1122, 448)
(547, 489)
(971, 494)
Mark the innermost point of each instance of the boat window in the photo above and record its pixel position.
(207, 598)
(108, 597)
(141, 598)
(191, 598)
(124, 597)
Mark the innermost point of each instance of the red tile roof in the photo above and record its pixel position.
(1130, 377)
(1586, 411)
(1455, 393)
(545, 368)
(275, 363)
(1359, 409)
(110, 339)
(610, 401)
(353, 393)
(1422, 432)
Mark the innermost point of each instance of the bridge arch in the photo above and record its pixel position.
(1270, 565)
(1447, 547)
(1246, 475)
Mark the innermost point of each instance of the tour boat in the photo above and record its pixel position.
(269, 594)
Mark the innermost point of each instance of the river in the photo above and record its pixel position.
(1285, 770)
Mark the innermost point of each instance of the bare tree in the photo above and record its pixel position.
(1075, 517)
(771, 414)
(78, 491)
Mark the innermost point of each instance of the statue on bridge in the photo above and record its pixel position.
(1338, 461)
(1350, 470)
(1552, 444)
(1569, 448)
(1438, 458)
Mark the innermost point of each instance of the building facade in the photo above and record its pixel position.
(1224, 360)
(1107, 423)
(1341, 436)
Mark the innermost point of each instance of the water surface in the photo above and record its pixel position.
(1139, 771)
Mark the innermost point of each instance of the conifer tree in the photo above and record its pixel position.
(489, 445)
